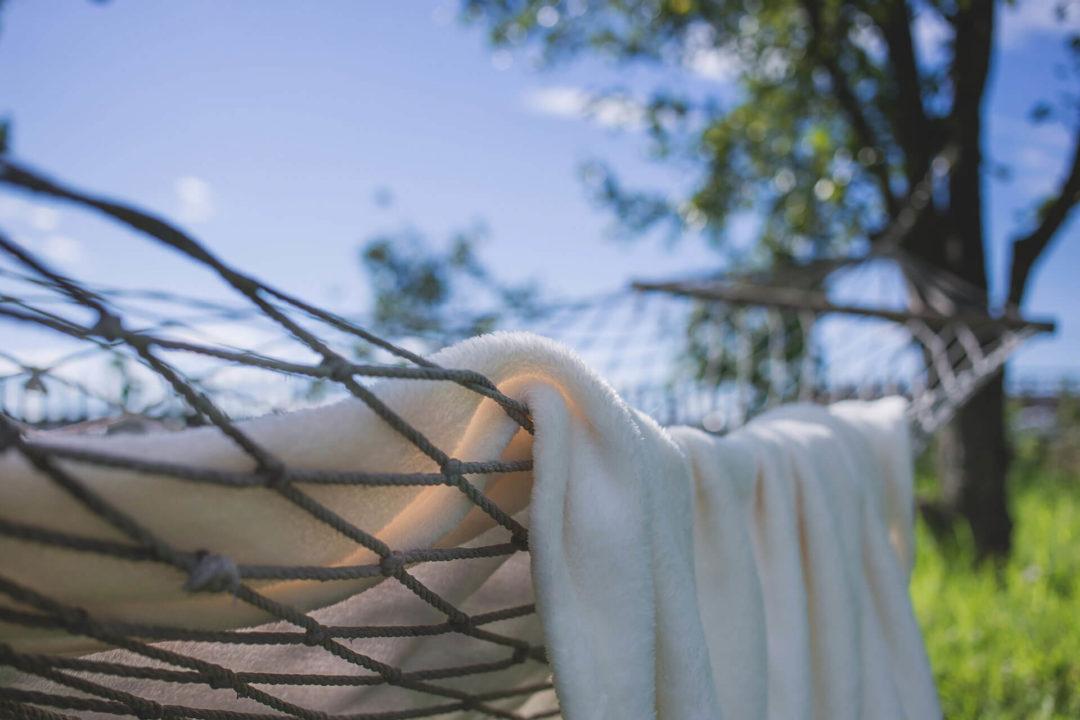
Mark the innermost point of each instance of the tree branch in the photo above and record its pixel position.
(961, 247)
(910, 124)
(1027, 250)
(848, 102)
(974, 28)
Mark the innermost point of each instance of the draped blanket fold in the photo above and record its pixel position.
(675, 574)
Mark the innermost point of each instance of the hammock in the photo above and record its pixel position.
(174, 361)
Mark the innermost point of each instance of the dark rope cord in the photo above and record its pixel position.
(206, 571)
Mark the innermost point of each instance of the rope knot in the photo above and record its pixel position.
(460, 622)
(390, 674)
(337, 368)
(213, 573)
(392, 564)
(452, 468)
(149, 710)
(276, 475)
(108, 327)
(520, 540)
(314, 637)
(521, 654)
(244, 284)
(36, 381)
(222, 679)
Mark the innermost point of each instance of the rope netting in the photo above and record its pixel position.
(704, 351)
(690, 352)
(53, 302)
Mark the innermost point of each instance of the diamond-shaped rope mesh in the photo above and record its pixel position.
(93, 319)
(696, 352)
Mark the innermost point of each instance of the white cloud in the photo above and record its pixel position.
(560, 101)
(11, 208)
(502, 59)
(196, 199)
(1053, 137)
(443, 13)
(715, 64)
(705, 58)
(1035, 158)
(1036, 153)
(41, 218)
(44, 218)
(61, 249)
(1025, 20)
(574, 103)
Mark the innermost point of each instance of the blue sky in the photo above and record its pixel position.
(268, 128)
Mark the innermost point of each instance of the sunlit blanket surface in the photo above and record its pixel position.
(676, 574)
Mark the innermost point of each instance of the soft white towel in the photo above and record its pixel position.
(676, 575)
(609, 517)
(821, 499)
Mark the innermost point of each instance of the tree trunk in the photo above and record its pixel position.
(973, 459)
(973, 455)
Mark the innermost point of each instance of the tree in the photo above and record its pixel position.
(420, 291)
(836, 120)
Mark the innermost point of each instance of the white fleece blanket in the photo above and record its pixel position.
(676, 574)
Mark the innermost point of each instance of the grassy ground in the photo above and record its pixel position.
(1005, 642)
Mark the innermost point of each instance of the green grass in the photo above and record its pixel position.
(1005, 642)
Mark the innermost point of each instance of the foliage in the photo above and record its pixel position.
(1004, 641)
(1058, 448)
(420, 289)
(763, 348)
(783, 147)
(829, 119)
(834, 119)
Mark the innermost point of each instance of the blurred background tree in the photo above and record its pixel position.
(419, 290)
(836, 119)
